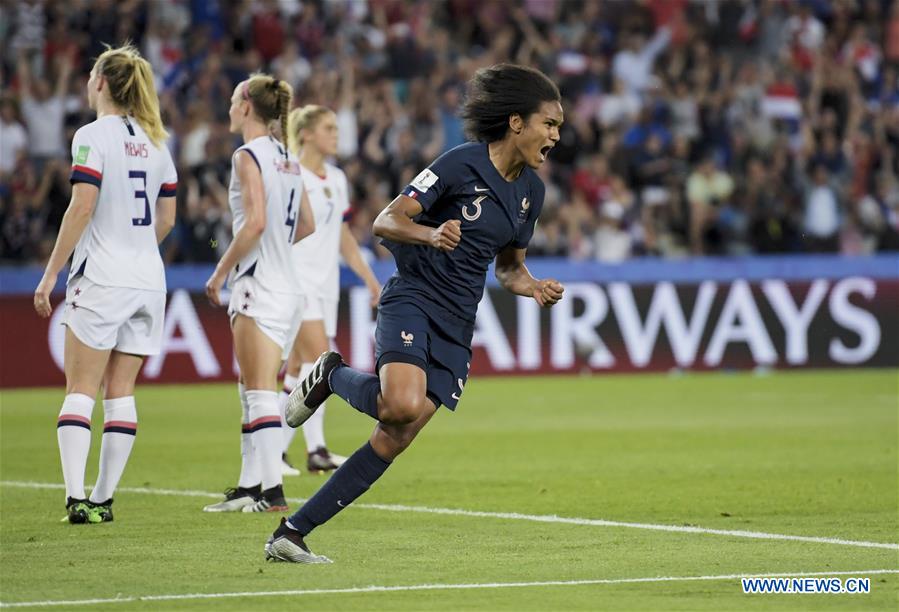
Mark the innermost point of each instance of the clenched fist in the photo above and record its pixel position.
(548, 292)
(447, 236)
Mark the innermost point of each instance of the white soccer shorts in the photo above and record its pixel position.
(120, 318)
(320, 309)
(278, 315)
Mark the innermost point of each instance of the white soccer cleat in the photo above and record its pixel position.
(336, 459)
(287, 468)
(287, 544)
(235, 500)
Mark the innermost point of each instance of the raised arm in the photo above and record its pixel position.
(63, 73)
(23, 72)
(395, 223)
(513, 275)
(656, 44)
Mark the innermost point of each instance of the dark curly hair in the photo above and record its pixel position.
(498, 92)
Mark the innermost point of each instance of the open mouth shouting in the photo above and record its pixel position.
(544, 151)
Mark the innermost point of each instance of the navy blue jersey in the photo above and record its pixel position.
(464, 184)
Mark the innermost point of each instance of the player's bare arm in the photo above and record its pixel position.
(395, 223)
(513, 275)
(306, 221)
(245, 239)
(349, 250)
(75, 220)
(165, 218)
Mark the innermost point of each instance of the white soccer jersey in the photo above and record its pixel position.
(317, 257)
(118, 248)
(270, 260)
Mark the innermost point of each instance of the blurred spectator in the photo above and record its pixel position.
(593, 182)
(43, 107)
(708, 190)
(22, 222)
(13, 137)
(612, 242)
(30, 23)
(794, 105)
(822, 210)
(633, 64)
(771, 229)
(292, 67)
(619, 107)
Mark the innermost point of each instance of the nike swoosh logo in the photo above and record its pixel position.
(455, 397)
(480, 189)
(340, 503)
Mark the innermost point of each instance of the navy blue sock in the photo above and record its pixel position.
(359, 389)
(350, 481)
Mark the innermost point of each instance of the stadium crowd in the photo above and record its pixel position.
(723, 127)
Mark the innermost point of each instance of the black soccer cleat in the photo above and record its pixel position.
(313, 390)
(287, 544)
(270, 500)
(77, 511)
(323, 460)
(100, 512)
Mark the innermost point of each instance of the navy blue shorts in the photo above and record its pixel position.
(406, 333)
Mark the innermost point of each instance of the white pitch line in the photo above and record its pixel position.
(515, 516)
(433, 587)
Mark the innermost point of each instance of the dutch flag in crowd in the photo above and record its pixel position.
(781, 103)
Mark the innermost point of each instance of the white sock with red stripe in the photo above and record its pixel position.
(314, 427)
(265, 423)
(73, 432)
(314, 430)
(250, 476)
(119, 430)
(287, 432)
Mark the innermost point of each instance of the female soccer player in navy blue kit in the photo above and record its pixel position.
(476, 204)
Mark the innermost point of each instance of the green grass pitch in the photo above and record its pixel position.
(798, 453)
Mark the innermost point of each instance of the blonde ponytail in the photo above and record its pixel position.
(132, 88)
(284, 96)
(145, 104)
(270, 99)
(300, 119)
